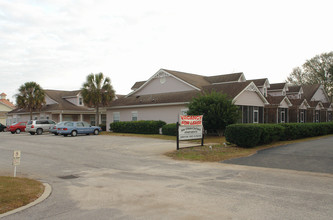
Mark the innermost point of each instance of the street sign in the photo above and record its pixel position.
(16, 160)
(189, 127)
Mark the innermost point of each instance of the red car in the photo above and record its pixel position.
(17, 127)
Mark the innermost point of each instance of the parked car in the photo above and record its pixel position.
(3, 128)
(74, 128)
(54, 128)
(17, 127)
(39, 126)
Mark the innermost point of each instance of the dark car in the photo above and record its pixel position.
(17, 127)
(2, 128)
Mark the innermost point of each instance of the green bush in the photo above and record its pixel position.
(251, 135)
(137, 127)
(103, 127)
(170, 129)
(243, 135)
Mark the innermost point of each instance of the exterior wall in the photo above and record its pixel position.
(3, 110)
(250, 99)
(320, 96)
(170, 85)
(75, 100)
(248, 114)
(169, 114)
(271, 115)
(49, 101)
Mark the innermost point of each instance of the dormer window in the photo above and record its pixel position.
(80, 101)
(265, 91)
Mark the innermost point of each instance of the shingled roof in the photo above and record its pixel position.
(277, 86)
(61, 102)
(259, 82)
(7, 103)
(310, 90)
(232, 77)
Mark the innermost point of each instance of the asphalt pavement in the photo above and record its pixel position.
(109, 177)
(312, 156)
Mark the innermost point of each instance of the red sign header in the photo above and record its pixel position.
(190, 120)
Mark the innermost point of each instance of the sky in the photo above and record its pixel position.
(57, 43)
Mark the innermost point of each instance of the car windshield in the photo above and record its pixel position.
(15, 123)
(29, 122)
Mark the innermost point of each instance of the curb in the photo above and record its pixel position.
(45, 195)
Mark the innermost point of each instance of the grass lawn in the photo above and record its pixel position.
(17, 192)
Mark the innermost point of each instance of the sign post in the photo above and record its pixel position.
(190, 128)
(16, 160)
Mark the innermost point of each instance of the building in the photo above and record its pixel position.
(5, 106)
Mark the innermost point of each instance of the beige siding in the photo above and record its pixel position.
(284, 104)
(320, 96)
(170, 85)
(169, 114)
(249, 98)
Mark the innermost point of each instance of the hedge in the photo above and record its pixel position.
(251, 135)
(170, 129)
(137, 127)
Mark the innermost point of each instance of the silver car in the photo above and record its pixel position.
(39, 126)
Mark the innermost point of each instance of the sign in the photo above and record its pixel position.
(16, 157)
(189, 127)
(190, 120)
(190, 132)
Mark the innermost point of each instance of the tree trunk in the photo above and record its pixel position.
(97, 116)
(30, 114)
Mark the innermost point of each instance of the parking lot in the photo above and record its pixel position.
(111, 177)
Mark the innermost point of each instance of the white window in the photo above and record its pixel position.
(116, 116)
(80, 101)
(92, 120)
(302, 116)
(265, 91)
(184, 111)
(134, 116)
(283, 116)
(255, 115)
(317, 117)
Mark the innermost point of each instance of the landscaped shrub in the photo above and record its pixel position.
(243, 135)
(170, 129)
(250, 135)
(103, 127)
(137, 127)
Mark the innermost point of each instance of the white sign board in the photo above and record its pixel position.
(190, 132)
(16, 157)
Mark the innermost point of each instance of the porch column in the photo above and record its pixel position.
(81, 117)
(99, 118)
(60, 117)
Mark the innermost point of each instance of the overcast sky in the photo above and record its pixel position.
(58, 43)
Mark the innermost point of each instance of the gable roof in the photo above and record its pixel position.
(138, 85)
(277, 100)
(310, 90)
(61, 102)
(260, 82)
(193, 79)
(298, 102)
(7, 103)
(277, 86)
(232, 77)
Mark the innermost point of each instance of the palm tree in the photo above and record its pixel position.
(97, 92)
(31, 96)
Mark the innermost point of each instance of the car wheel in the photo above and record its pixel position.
(96, 132)
(13, 132)
(32, 133)
(18, 131)
(39, 131)
(74, 133)
(55, 133)
(65, 135)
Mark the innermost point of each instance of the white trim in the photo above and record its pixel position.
(252, 87)
(287, 101)
(156, 75)
(219, 83)
(147, 105)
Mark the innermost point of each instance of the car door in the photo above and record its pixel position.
(87, 128)
(80, 128)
